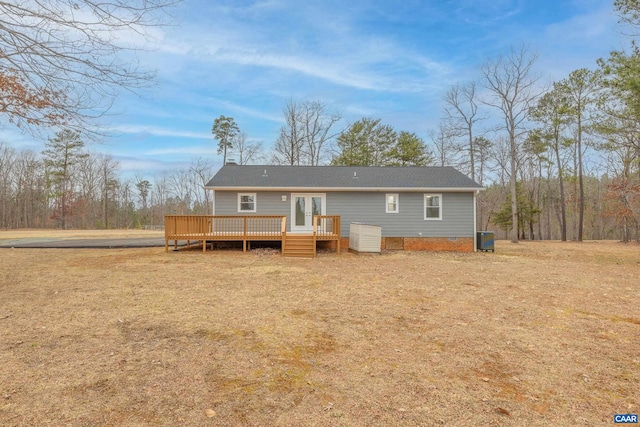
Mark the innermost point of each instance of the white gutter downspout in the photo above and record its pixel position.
(475, 220)
(213, 202)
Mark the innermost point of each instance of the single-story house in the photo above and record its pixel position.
(417, 208)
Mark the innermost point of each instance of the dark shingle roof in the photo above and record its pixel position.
(340, 177)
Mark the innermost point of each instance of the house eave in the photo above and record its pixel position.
(345, 189)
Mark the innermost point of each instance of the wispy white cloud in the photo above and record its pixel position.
(158, 131)
(324, 46)
(592, 25)
(310, 66)
(578, 41)
(360, 111)
(487, 12)
(130, 164)
(379, 68)
(19, 140)
(193, 150)
(237, 108)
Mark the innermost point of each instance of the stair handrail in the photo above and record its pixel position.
(315, 233)
(283, 233)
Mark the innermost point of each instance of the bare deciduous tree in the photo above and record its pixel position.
(7, 159)
(511, 82)
(247, 152)
(462, 112)
(109, 184)
(288, 146)
(446, 151)
(308, 129)
(90, 178)
(30, 190)
(179, 185)
(318, 125)
(144, 189)
(62, 62)
(201, 172)
(159, 198)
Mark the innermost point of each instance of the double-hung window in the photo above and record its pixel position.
(432, 206)
(246, 202)
(392, 203)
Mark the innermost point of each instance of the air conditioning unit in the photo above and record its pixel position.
(485, 241)
(365, 238)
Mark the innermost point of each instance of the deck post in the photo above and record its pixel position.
(175, 230)
(315, 232)
(337, 221)
(244, 235)
(283, 234)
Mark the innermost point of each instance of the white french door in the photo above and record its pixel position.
(303, 209)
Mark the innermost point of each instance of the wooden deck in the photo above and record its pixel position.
(246, 228)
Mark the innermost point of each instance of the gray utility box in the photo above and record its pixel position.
(365, 238)
(485, 241)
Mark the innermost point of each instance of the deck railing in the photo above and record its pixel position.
(223, 227)
(326, 225)
(201, 225)
(186, 225)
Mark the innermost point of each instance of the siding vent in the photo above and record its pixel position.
(453, 239)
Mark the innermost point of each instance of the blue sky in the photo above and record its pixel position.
(391, 60)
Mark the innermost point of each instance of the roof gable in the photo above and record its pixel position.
(340, 177)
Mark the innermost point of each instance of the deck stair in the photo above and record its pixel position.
(299, 245)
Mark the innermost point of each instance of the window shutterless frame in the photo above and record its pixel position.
(247, 202)
(392, 203)
(432, 207)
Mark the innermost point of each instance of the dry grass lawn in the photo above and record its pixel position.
(537, 334)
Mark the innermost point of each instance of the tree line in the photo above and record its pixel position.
(66, 186)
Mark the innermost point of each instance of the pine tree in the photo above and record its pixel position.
(61, 155)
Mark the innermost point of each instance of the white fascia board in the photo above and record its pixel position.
(365, 189)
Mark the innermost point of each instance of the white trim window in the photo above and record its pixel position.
(246, 202)
(432, 206)
(392, 204)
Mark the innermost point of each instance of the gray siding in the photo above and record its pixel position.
(267, 203)
(369, 208)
